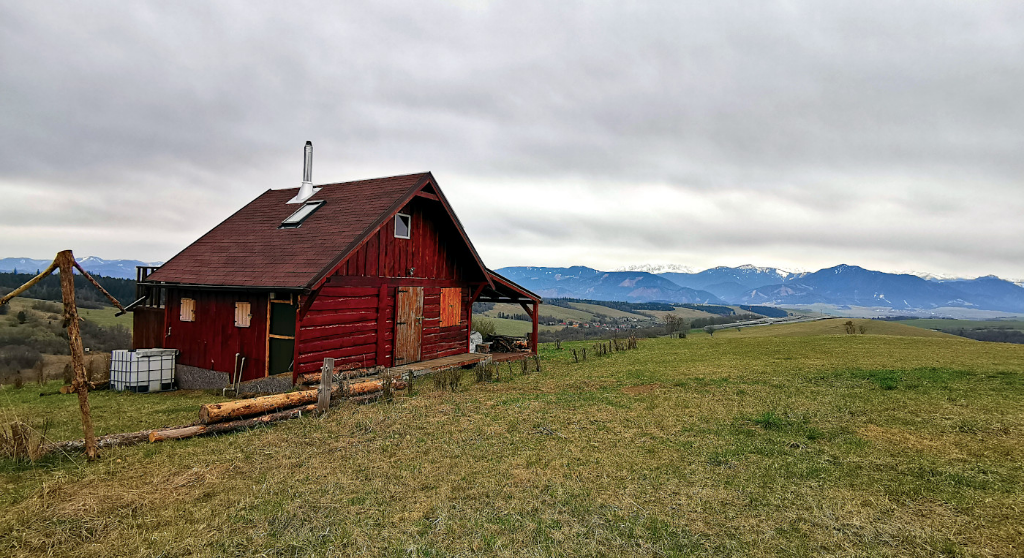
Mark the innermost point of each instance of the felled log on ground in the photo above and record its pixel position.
(220, 412)
(91, 386)
(201, 429)
(108, 441)
(371, 386)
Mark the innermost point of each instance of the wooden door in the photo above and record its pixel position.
(408, 324)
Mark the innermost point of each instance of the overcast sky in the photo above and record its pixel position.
(800, 135)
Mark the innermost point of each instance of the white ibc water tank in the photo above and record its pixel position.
(142, 370)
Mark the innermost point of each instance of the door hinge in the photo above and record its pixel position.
(399, 323)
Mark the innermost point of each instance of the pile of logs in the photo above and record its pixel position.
(506, 344)
(217, 418)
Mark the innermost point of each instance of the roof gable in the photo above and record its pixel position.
(248, 249)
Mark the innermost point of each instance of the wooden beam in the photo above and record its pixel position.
(427, 195)
(30, 283)
(533, 340)
(65, 261)
(323, 401)
(109, 296)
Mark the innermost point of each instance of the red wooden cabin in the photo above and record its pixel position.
(372, 272)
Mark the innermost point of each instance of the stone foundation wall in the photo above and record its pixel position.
(193, 377)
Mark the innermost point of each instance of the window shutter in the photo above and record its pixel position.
(451, 307)
(243, 314)
(188, 310)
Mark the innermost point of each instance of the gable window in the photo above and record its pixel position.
(188, 310)
(451, 307)
(403, 225)
(243, 314)
(295, 219)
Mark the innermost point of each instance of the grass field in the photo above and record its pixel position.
(606, 311)
(739, 444)
(687, 313)
(106, 317)
(546, 311)
(947, 325)
(830, 327)
(514, 328)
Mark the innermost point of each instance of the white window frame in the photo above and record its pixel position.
(408, 227)
(187, 311)
(243, 314)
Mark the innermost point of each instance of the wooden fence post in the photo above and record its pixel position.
(66, 263)
(323, 401)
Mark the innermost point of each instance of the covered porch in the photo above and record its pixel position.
(503, 291)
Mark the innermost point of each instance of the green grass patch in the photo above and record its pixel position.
(724, 445)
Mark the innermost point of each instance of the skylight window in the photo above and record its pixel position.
(300, 215)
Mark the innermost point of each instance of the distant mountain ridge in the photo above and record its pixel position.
(730, 283)
(122, 269)
(589, 283)
(851, 285)
(841, 285)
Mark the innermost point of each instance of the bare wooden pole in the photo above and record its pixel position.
(28, 285)
(323, 401)
(66, 262)
(109, 296)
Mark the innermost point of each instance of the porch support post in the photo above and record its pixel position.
(533, 340)
(531, 310)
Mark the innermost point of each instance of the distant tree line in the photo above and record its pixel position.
(700, 323)
(993, 334)
(86, 295)
(710, 309)
(766, 311)
(614, 304)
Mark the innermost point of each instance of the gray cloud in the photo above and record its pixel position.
(807, 133)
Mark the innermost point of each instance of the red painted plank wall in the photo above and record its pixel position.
(212, 340)
(434, 251)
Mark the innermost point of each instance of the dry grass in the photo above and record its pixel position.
(746, 446)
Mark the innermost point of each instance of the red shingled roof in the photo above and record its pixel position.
(249, 250)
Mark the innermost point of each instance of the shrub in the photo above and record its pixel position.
(484, 327)
(449, 379)
(47, 307)
(18, 357)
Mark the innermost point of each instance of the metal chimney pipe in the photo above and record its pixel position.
(307, 169)
(306, 190)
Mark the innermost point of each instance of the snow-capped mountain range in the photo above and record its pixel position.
(841, 285)
(122, 269)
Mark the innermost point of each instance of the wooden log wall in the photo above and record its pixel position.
(342, 324)
(352, 317)
(353, 325)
